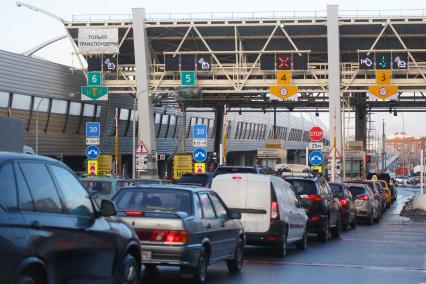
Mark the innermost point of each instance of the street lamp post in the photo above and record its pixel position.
(38, 106)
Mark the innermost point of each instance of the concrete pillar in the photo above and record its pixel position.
(146, 129)
(218, 136)
(334, 94)
(361, 119)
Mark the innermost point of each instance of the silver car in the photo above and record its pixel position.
(183, 226)
(367, 207)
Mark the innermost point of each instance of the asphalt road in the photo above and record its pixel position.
(391, 252)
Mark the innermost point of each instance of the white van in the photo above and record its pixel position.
(271, 212)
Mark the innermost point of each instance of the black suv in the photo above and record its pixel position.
(52, 232)
(196, 179)
(322, 208)
(243, 170)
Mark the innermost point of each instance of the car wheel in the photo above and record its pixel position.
(324, 233)
(354, 223)
(130, 271)
(335, 232)
(303, 243)
(281, 248)
(236, 264)
(200, 275)
(370, 219)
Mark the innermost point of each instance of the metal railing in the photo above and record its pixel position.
(260, 15)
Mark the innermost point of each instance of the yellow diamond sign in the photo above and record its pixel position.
(283, 92)
(384, 91)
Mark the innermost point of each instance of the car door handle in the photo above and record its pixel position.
(209, 226)
(35, 224)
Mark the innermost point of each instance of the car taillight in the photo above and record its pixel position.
(169, 236)
(236, 177)
(343, 202)
(275, 211)
(314, 197)
(363, 197)
(133, 213)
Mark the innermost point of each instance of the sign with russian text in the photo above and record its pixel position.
(101, 40)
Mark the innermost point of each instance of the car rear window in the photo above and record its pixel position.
(356, 190)
(303, 186)
(154, 200)
(221, 171)
(337, 189)
(98, 187)
(200, 180)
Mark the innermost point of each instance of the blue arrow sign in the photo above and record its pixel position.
(316, 158)
(200, 155)
(92, 152)
(93, 129)
(200, 131)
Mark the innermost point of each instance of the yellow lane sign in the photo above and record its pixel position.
(284, 77)
(182, 163)
(384, 92)
(383, 77)
(317, 168)
(92, 167)
(199, 167)
(283, 92)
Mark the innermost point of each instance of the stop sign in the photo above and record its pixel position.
(316, 133)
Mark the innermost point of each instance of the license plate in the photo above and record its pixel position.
(146, 255)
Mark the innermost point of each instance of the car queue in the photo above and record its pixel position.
(190, 224)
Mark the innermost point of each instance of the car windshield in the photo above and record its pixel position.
(230, 170)
(356, 190)
(303, 186)
(98, 187)
(200, 180)
(154, 199)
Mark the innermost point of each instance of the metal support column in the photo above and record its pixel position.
(146, 129)
(218, 126)
(333, 48)
(361, 119)
(384, 162)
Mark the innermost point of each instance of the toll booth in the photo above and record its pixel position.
(272, 154)
(355, 164)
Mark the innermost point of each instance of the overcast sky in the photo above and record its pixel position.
(22, 29)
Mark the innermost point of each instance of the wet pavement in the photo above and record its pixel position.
(393, 251)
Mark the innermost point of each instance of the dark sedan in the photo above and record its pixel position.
(52, 232)
(189, 227)
(347, 209)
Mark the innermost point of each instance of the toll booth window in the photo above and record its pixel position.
(75, 108)
(89, 110)
(21, 102)
(59, 107)
(4, 99)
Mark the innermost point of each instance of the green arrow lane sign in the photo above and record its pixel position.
(99, 93)
(94, 78)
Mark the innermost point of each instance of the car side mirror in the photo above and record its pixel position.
(108, 208)
(234, 215)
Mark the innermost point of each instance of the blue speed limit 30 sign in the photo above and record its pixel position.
(316, 158)
(200, 131)
(93, 129)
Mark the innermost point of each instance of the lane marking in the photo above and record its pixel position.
(344, 266)
(382, 241)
